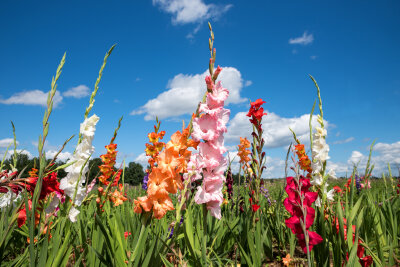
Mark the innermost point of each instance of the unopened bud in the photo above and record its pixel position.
(217, 72)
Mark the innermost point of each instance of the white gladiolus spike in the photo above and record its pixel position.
(317, 179)
(318, 202)
(332, 174)
(7, 198)
(330, 194)
(73, 214)
(77, 171)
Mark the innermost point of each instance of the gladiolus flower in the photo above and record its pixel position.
(77, 171)
(117, 198)
(210, 127)
(126, 234)
(165, 178)
(256, 112)
(364, 261)
(255, 207)
(243, 152)
(301, 211)
(286, 260)
(338, 189)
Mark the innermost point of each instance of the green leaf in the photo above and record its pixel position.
(43, 250)
(101, 258)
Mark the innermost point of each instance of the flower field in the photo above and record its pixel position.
(192, 209)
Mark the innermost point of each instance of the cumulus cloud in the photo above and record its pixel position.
(142, 159)
(63, 156)
(382, 155)
(191, 11)
(186, 91)
(33, 97)
(276, 129)
(355, 158)
(6, 142)
(79, 91)
(276, 134)
(347, 140)
(305, 39)
(275, 167)
(340, 168)
(10, 153)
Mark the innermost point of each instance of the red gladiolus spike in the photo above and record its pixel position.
(255, 207)
(257, 103)
(298, 203)
(366, 261)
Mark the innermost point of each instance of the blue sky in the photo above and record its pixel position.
(268, 49)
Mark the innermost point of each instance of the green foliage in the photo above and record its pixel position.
(134, 173)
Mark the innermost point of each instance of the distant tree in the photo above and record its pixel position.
(61, 172)
(25, 164)
(94, 170)
(134, 173)
(235, 177)
(22, 162)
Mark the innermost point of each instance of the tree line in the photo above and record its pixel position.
(133, 174)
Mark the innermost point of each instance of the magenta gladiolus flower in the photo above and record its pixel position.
(298, 204)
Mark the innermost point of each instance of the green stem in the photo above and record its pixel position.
(204, 244)
(141, 235)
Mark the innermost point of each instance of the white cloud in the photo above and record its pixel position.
(47, 146)
(77, 92)
(305, 39)
(275, 167)
(347, 140)
(276, 129)
(10, 153)
(340, 168)
(248, 83)
(383, 148)
(389, 153)
(313, 57)
(6, 142)
(186, 91)
(382, 155)
(142, 159)
(33, 97)
(190, 35)
(191, 11)
(355, 158)
(63, 156)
